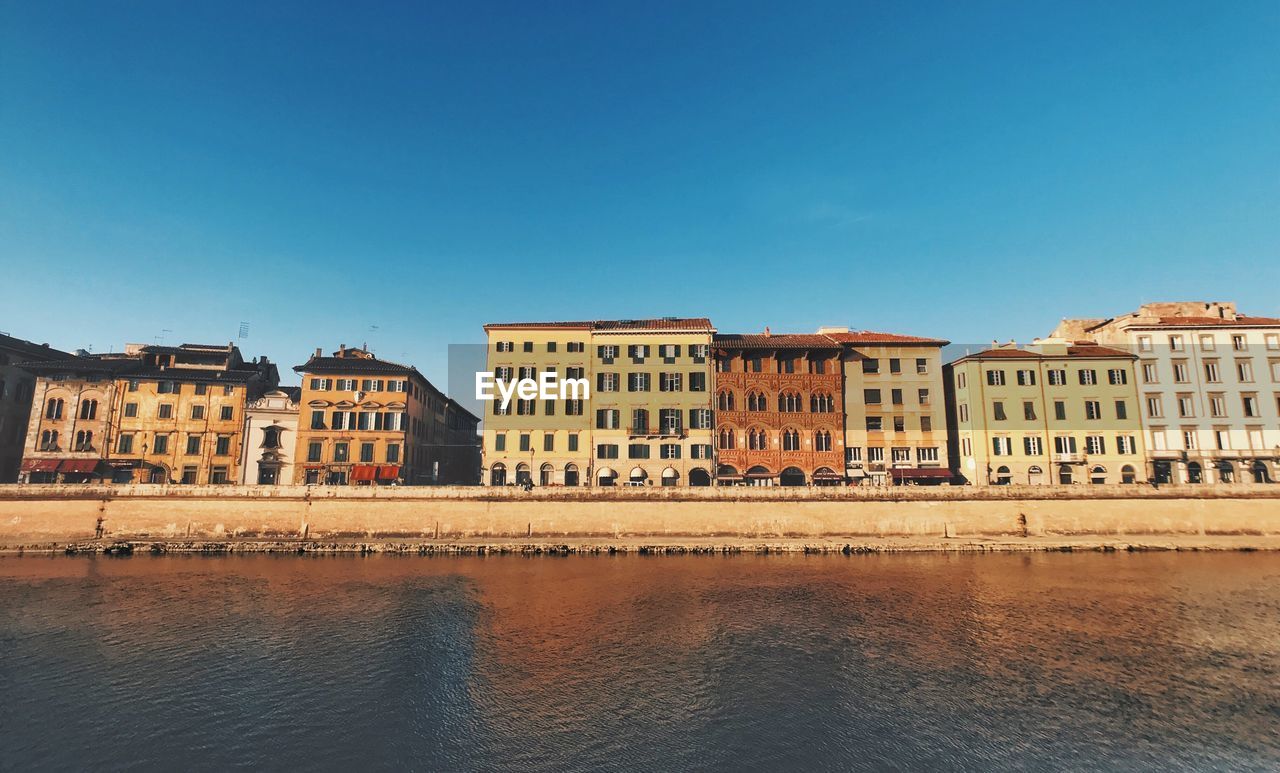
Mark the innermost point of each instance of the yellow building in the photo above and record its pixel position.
(1053, 412)
(151, 414)
(371, 421)
(895, 410)
(646, 421)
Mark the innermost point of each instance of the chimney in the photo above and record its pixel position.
(319, 352)
(342, 350)
(766, 331)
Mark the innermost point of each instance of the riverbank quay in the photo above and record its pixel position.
(1084, 516)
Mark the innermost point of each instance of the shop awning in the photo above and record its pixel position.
(921, 473)
(79, 466)
(856, 472)
(827, 475)
(762, 475)
(388, 472)
(40, 465)
(364, 472)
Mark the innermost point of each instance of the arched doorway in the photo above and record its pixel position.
(1162, 471)
(498, 475)
(1035, 475)
(638, 477)
(759, 476)
(699, 477)
(546, 475)
(1064, 474)
(728, 475)
(607, 476)
(1003, 476)
(825, 476)
(522, 474)
(1195, 473)
(791, 476)
(158, 474)
(1128, 474)
(1098, 475)
(1260, 473)
(571, 474)
(670, 477)
(1226, 472)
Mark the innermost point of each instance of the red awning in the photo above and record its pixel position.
(80, 466)
(40, 465)
(364, 472)
(921, 473)
(388, 472)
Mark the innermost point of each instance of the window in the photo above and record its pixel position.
(1206, 343)
(895, 396)
(393, 453)
(754, 364)
(1126, 444)
(500, 441)
(193, 445)
(757, 440)
(576, 347)
(84, 441)
(1211, 373)
(1237, 343)
(1181, 374)
(526, 346)
(1001, 446)
(1060, 410)
(1250, 406)
(875, 454)
(53, 409)
(573, 441)
(900, 455)
(1029, 410)
(640, 421)
(922, 366)
(669, 382)
(871, 396)
(607, 354)
(637, 382)
(895, 365)
(528, 372)
(227, 413)
(997, 411)
(1088, 377)
(125, 446)
(790, 440)
(1117, 377)
(962, 380)
(218, 475)
(317, 417)
(1217, 405)
(727, 438)
(790, 402)
(875, 424)
(927, 455)
(607, 418)
(1122, 410)
(817, 366)
(1057, 377)
(1275, 371)
(669, 450)
(697, 382)
(852, 454)
(551, 346)
(49, 440)
(606, 382)
(670, 421)
(222, 446)
(822, 440)
(1095, 444)
(197, 413)
(133, 385)
(1144, 343)
(313, 449)
(548, 441)
(1186, 406)
(1150, 374)
(189, 475)
(724, 400)
(821, 402)
(1092, 410)
(1026, 378)
(1064, 444)
(870, 366)
(88, 408)
(526, 408)
(699, 352)
(366, 452)
(638, 451)
(1175, 343)
(1244, 371)
(1155, 406)
(166, 387)
(700, 451)
(526, 444)
(638, 353)
(341, 452)
(164, 411)
(899, 424)
(160, 445)
(1189, 439)
(607, 451)
(923, 396)
(1222, 439)
(548, 407)
(995, 378)
(505, 346)
(700, 418)
(926, 424)
(786, 365)
(1032, 446)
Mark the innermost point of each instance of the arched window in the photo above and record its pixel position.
(790, 440)
(727, 438)
(724, 400)
(789, 402)
(1127, 474)
(571, 474)
(88, 409)
(84, 440)
(757, 440)
(53, 409)
(821, 402)
(546, 475)
(522, 474)
(756, 401)
(822, 440)
(498, 475)
(49, 440)
(1098, 475)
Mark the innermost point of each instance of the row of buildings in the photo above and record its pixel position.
(1171, 393)
(202, 414)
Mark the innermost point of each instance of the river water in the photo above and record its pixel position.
(1043, 661)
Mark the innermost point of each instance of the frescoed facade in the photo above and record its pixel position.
(17, 395)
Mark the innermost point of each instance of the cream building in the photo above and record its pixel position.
(647, 420)
(895, 428)
(1053, 412)
(270, 436)
(1209, 379)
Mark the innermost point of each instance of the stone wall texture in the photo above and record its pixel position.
(31, 515)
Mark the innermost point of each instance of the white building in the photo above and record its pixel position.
(1209, 383)
(271, 430)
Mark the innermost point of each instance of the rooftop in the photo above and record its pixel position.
(611, 325)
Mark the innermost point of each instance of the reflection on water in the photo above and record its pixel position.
(580, 663)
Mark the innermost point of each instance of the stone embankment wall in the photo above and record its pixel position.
(49, 514)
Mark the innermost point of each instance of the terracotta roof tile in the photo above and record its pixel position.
(774, 341)
(661, 323)
(873, 337)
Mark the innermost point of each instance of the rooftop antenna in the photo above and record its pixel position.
(160, 338)
(244, 330)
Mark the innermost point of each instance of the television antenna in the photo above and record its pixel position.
(244, 330)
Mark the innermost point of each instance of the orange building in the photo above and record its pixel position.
(779, 409)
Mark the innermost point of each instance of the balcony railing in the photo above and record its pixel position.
(647, 431)
(1068, 458)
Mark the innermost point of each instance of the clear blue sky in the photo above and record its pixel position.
(966, 170)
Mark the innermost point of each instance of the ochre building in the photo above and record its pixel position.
(17, 389)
